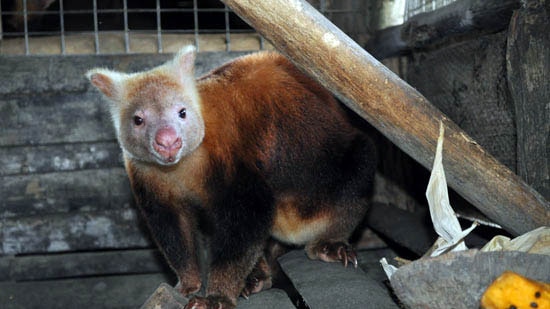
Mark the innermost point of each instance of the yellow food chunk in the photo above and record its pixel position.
(513, 291)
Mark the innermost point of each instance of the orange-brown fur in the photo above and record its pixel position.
(279, 157)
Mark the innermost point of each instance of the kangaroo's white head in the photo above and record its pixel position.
(156, 113)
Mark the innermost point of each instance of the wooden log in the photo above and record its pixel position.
(394, 108)
(528, 73)
(456, 19)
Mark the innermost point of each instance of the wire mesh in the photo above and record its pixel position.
(135, 26)
(415, 7)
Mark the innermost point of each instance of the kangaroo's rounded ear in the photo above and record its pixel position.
(184, 61)
(106, 81)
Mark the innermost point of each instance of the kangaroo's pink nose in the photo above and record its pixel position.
(167, 143)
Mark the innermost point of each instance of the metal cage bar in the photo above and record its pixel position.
(415, 7)
(159, 28)
(62, 27)
(108, 27)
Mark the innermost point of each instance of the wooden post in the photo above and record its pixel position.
(395, 109)
(528, 73)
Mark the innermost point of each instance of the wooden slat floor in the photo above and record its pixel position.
(127, 278)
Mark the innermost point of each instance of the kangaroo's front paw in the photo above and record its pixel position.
(333, 252)
(188, 283)
(210, 302)
(259, 279)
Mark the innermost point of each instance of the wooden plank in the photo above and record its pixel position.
(85, 190)
(402, 227)
(528, 73)
(369, 262)
(459, 18)
(466, 81)
(99, 292)
(54, 118)
(330, 285)
(81, 264)
(458, 279)
(65, 74)
(272, 298)
(59, 157)
(396, 109)
(115, 229)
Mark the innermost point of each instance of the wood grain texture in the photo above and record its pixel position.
(64, 192)
(467, 82)
(315, 281)
(458, 279)
(528, 73)
(394, 108)
(82, 264)
(108, 292)
(84, 231)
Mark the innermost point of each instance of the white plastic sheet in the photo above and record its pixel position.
(444, 218)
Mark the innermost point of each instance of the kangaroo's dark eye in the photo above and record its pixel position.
(138, 120)
(183, 113)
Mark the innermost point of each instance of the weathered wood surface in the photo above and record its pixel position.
(51, 158)
(410, 230)
(460, 18)
(330, 285)
(369, 262)
(63, 192)
(320, 284)
(457, 280)
(54, 118)
(106, 292)
(528, 74)
(124, 279)
(81, 264)
(272, 298)
(29, 75)
(467, 82)
(113, 229)
(397, 110)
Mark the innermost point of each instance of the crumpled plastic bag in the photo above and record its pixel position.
(536, 241)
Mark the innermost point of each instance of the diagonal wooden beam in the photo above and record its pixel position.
(397, 110)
